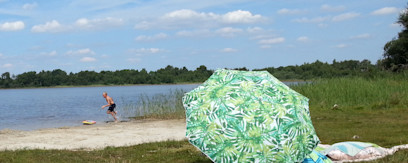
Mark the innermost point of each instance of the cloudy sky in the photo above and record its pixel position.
(100, 35)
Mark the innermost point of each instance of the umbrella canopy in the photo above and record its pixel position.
(249, 116)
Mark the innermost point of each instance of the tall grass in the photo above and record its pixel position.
(375, 110)
(159, 106)
(356, 93)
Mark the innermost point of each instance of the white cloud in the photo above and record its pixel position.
(186, 14)
(143, 25)
(266, 46)
(330, 8)
(87, 59)
(7, 65)
(145, 50)
(312, 20)
(12, 26)
(80, 24)
(385, 11)
(29, 6)
(321, 19)
(345, 16)
(195, 33)
(262, 37)
(272, 40)
(52, 53)
(361, 36)
(286, 11)
(100, 23)
(158, 36)
(254, 29)
(240, 16)
(80, 52)
(52, 26)
(340, 46)
(190, 18)
(322, 25)
(303, 39)
(228, 31)
(134, 60)
(229, 50)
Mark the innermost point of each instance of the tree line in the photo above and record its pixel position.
(173, 75)
(59, 77)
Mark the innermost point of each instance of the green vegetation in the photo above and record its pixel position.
(375, 109)
(121, 77)
(396, 51)
(357, 93)
(170, 74)
(168, 151)
(159, 106)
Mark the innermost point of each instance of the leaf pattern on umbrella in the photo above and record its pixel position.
(248, 116)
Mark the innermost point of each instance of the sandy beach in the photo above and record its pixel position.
(90, 137)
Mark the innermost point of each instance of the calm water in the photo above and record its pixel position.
(29, 109)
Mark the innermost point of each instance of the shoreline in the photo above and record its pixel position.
(93, 137)
(125, 85)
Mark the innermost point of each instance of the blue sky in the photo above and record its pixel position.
(100, 35)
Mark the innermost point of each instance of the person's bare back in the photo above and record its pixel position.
(109, 100)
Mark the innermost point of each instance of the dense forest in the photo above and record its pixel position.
(170, 75)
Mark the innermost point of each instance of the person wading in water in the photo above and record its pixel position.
(111, 105)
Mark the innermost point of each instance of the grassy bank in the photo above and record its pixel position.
(168, 151)
(376, 110)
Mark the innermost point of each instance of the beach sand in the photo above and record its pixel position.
(98, 136)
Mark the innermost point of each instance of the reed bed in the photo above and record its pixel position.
(356, 93)
(359, 109)
(159, 106)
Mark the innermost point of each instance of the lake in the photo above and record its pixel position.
(30, 109)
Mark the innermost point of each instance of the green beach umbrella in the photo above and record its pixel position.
(249, 116)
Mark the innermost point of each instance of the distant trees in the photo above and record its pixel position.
(396, 50)
(59, 77)
(170, 75)
(319, 69)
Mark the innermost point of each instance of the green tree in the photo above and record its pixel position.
(396, 50)
(5, 80)
(27, 79)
